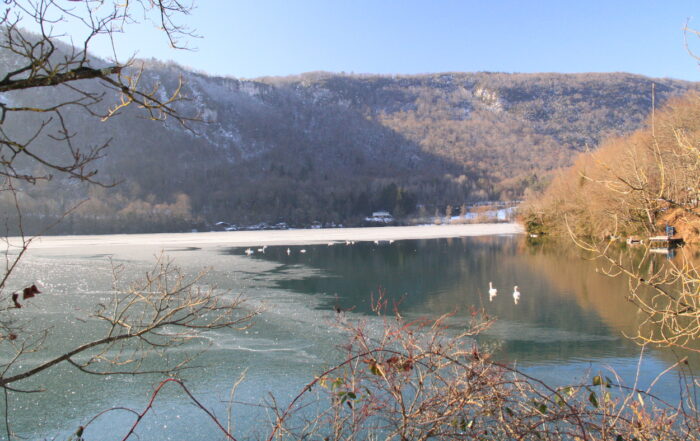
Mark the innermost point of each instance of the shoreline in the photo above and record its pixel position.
(281, 237)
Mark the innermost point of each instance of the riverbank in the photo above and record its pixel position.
(282, 237)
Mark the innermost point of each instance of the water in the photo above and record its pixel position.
(569, 322)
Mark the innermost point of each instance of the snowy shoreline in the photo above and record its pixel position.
(281, 237)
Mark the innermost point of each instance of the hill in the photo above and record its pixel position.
(332, 147)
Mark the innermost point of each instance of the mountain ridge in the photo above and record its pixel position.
(332, 148)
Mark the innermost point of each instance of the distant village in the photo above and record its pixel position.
(482, 212)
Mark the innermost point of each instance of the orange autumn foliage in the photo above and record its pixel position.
(632, 185)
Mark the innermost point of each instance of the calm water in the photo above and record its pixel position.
(569, 322)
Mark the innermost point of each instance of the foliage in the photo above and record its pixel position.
(423, 380)
(632, 185)
(637, 186)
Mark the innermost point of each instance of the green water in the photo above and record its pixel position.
(568, 323)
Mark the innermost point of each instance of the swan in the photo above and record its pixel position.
(289, 251)
(492, 292)
(249, 252)
(302, 251)
(516, 294)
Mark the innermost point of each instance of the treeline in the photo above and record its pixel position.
(633, 185)
(96, 212)
(332, 148)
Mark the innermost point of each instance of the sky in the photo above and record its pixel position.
(254, 38)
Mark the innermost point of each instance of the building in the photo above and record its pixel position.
(380, 217)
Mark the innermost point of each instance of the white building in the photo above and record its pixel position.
(381, 217)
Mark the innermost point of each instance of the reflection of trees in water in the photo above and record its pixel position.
(440, 276)
(567, 309)
(570, 272)
(594, 291)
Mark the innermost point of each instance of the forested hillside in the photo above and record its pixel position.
(503, 130)
(331, 147)
(632, 185)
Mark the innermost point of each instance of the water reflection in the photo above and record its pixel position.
(568, 309)
(570, 318)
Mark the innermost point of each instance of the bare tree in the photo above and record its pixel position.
(638, 186)
(36, 61)
(428, 379)
(133, 333)
(163, 310)
(424, 380)
(663, 183)
(39, 56)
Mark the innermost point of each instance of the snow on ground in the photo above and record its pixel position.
(280, 237)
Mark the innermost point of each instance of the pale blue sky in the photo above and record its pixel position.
(282, 37)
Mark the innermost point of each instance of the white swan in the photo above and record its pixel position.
(249, 252)
(492, 292)
(516, 294)
(302, 251)
(289, 251)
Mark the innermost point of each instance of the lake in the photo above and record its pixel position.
(568, 324)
